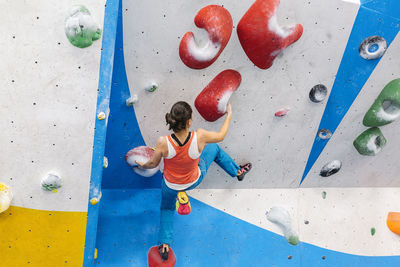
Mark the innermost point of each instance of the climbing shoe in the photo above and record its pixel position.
(182, 203)
(244, 170)
(163, 253)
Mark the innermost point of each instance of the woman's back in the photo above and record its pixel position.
(181, 164)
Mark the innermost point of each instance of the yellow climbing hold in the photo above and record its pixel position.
(94, 201)
(54, 191)
(5, 197)
(3, 187)
(95, 253)
(101, 116)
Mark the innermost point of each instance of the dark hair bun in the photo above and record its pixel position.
(177, 118)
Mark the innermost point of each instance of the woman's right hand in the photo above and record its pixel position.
(228, 109)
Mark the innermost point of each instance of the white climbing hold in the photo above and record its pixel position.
(132, 100)
(5, 197)
(281, 217)
(51, 182)
(141, 154)
(105, 162)
(101, 116)
(152, 87)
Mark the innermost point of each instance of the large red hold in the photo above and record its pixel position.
(260, 35)
(154, 258)
(217, 21)
(211, 102)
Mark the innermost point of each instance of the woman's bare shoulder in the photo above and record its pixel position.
(162, 140)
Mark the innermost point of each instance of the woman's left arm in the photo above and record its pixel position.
(158, 154)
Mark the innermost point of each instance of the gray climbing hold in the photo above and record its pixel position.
(373, 47)
(331, 168)
(318, 93)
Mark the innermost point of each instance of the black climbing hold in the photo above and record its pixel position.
(318, 93)
(331, 168)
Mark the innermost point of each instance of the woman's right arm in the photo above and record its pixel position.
(205, 136)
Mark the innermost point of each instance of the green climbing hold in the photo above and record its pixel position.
(80, 27)
(386, 107)
(293, 240)
(370, 142)
(51, 182)
(323, 194)
(152, 87)
(373, 231)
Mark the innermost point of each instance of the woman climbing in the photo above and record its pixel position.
(187, 157)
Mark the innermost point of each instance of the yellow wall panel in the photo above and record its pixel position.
(41, 238)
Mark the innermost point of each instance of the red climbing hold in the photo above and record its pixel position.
(282, 112)
(260, 35)
(211, 102)
(217, 21)
(154, 258)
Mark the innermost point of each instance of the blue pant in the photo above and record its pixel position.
(210, 153)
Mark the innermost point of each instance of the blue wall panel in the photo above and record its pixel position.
(123, 132)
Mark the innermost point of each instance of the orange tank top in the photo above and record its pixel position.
(181, 165)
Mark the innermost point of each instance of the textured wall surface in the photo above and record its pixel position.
(334, 214)
(47, 105)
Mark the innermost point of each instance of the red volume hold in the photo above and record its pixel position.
(211, 102)
(260, 35)
(154, 258)
(218, 23)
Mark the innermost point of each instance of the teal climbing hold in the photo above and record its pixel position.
(80, 27)
(370, 142)
(386, 107)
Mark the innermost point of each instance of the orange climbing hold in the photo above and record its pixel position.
(154, 258)
(393, 222)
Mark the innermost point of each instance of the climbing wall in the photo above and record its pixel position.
(279, 147)
(340, 218)
(47, 105)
